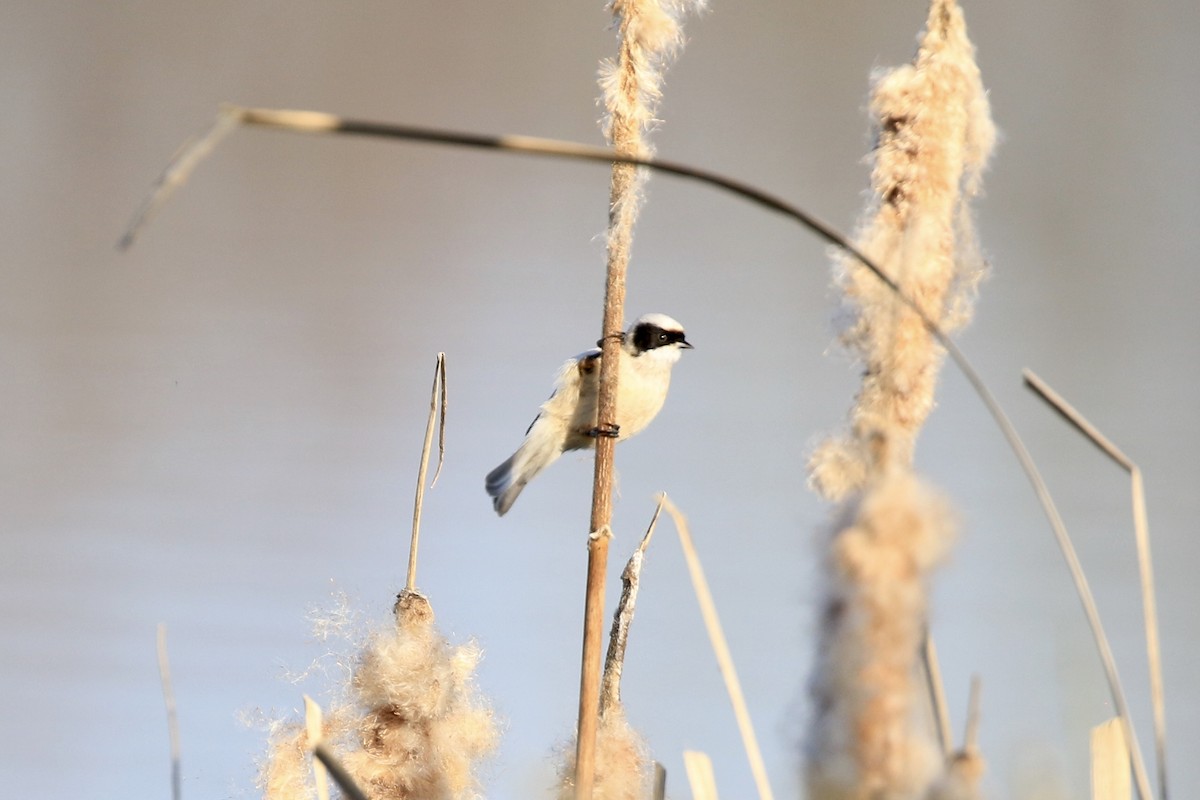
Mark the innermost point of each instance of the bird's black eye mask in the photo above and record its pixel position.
(648, 336)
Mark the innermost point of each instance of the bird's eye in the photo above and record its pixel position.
(662, 337)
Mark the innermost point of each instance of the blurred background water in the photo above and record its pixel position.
(219, 430)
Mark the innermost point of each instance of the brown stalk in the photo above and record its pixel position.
(602, 483)
(601, 533)
(632, 81)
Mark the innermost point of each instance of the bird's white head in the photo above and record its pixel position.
(656, 336)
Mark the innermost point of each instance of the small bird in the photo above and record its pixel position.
(567, 421)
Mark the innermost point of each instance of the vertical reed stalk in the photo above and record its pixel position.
(647, 35)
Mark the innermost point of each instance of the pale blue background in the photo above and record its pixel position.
(220, 428)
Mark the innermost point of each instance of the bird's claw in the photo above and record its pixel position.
(607, 431)
(619, 336)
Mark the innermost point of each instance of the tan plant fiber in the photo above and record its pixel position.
(934, 137)
(411, 724)
(624, 769)
(286, 773)
(868, 740)
(650, 34)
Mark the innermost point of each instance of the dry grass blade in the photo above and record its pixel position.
(712, 622)
(660, 782)
(971, 735)
(1110, 762)
(618, 637)
(1141, 533)
(700, 775)
(937, 694)
(1077, 420)
(441, 421)
(164, 675)
(180, 168)
(1086, 598)
(439, 389)
(314, 728)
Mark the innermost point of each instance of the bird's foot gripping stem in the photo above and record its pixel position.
(608, 431)
(619, 336)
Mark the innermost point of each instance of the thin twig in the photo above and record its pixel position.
(314, 728)
(1141, 535)
(618, 637)
(339, 774)
(317, 122)
(439, 387)
(164, 675)
(716, 635)
(937, 694)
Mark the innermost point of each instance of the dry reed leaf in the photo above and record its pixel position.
(313, 722)
(708, 610)
(1110, 762)
(701, 779)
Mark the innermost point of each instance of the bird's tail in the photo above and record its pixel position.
(506, 481)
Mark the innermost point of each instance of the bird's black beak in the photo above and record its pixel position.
(684, 344)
